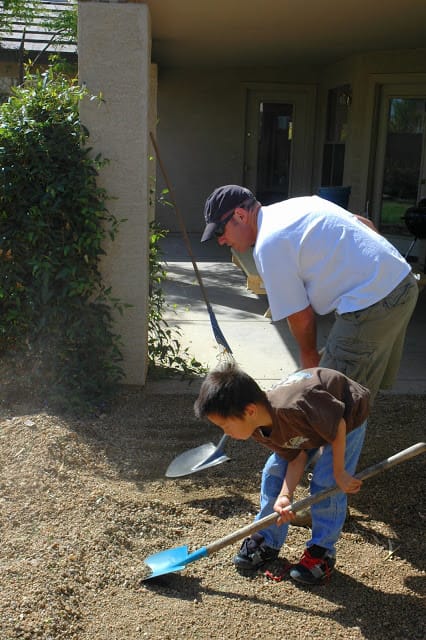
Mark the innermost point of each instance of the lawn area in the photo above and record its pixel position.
(393, 211)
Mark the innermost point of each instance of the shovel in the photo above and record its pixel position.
(176, 559)
(205, 456)
(202, 457)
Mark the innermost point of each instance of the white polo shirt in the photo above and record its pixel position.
(310, 251)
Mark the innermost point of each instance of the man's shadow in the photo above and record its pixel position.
(379, 615)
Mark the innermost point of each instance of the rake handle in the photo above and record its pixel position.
(369, 472)
(179, 217)
(220, 338)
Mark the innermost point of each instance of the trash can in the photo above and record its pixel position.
(338, 195)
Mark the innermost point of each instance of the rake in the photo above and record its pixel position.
(206, 455)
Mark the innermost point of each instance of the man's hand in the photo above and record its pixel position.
(347, 483)
(280, 507)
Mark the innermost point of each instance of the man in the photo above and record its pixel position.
(316, 258)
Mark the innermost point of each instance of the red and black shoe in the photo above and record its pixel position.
(314, 567)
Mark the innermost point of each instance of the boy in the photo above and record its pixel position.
(313, 408)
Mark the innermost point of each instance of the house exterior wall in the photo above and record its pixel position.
(201, 131)
(202, 119)
(365, 73)
(114, 59)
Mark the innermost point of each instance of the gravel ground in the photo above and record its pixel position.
(84, 501)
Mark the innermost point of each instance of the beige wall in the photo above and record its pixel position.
(114, 59)
(202, 123)
(201, 131)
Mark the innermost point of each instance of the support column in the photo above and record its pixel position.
(114, 50)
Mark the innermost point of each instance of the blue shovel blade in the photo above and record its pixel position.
(172, 560)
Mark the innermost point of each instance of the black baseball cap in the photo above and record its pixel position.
(223, 200)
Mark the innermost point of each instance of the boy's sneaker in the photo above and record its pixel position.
(315, 566)
(253, 553)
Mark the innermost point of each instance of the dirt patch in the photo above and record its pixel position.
(84, 501)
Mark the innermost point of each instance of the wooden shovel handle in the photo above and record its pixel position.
(384, 465)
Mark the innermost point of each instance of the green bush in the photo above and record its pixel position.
(55, 311)
(165, 352)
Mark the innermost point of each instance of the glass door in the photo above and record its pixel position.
(274, 151)
(333, 161)
(279, 137)
(400, 166)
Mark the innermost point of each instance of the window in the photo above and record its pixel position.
(274, 152)
(404, 157)
(333, 161)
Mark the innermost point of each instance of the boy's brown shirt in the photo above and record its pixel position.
(307, 407)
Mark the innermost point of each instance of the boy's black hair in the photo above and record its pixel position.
(226, 391)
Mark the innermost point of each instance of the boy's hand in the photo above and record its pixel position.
(279, 506)
(347, 483)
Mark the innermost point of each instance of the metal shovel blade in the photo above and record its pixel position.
(202, 457)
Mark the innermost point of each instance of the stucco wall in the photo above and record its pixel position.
(201, 131)
(114, 59)
(202, 123)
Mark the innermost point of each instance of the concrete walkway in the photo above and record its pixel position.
(266, 350)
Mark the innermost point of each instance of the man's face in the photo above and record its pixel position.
(238, 428)
(237, 233)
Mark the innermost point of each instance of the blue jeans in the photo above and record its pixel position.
(328, 516)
